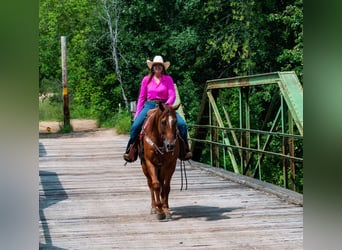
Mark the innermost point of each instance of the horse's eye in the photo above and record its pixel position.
(163, 123)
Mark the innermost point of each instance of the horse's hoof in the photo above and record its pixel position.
(161, 216)
(153, 210)
(168, 216)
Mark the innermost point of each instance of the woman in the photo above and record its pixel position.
(155, 87)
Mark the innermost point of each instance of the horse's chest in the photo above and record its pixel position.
(160, 158)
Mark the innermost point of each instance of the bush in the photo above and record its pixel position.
(50, 111)
(121, 121)
(65, 129)
(81, 112)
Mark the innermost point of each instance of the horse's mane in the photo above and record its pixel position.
(151, 126)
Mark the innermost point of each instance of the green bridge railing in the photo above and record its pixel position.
(227, 140)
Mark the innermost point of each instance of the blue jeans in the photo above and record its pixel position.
(139, 121)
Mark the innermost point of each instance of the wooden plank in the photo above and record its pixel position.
(282, 193)
(90, 200)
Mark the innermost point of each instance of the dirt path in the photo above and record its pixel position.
(81, 128)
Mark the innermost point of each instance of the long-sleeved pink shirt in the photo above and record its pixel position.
(165, 90)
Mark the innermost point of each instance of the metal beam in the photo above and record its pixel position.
(243, 81)
(220, 123)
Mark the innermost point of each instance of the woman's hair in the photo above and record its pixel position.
(151, 73)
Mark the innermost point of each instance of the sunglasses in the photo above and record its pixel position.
(157, 66)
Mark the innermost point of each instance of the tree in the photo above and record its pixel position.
(111, 14)
(109, 42)
(290, 21)
(56, 19)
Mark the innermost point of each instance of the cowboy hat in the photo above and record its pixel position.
(158, 60)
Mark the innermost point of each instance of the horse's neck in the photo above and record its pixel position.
(151, 128)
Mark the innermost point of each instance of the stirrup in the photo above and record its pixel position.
(187, 156)
(131, 154)
(127, 157)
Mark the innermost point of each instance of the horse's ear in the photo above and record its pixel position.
(177, 106)
(161, 106)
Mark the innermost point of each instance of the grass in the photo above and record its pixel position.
(50, 111)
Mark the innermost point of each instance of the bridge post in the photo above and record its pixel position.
(66, 111)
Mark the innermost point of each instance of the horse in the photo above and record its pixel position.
(158, 151)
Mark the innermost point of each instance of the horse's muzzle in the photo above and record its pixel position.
(169, 146)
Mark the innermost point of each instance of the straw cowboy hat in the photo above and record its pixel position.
(158, 60)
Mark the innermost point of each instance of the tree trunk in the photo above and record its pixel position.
(114, 5)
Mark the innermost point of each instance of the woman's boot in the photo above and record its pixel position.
(184, 152)
(188, 154)
(131, 153)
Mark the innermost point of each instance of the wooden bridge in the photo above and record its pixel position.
(88, 199)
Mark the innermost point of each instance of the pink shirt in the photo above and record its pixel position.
(165, 90)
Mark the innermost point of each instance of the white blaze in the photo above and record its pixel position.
(170, 121)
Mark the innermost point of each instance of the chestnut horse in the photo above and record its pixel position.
(158, 152)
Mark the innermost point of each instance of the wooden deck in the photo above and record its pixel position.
(90, 200)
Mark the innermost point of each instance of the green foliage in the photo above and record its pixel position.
(121, 121)
(291, 19)
(238, 25)
(80, 112)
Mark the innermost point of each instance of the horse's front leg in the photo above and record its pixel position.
(155, 194)
(150, 186)
(167, 176)
(165, 199)
(153, 200)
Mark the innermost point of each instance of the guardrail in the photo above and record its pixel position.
(286, 152)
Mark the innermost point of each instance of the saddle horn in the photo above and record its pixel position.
(161, 106)
(176, 106)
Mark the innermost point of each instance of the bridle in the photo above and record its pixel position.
(163, 149)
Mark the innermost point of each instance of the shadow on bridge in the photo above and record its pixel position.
(53, 192)
(196, 211)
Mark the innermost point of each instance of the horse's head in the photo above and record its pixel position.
(167, 125)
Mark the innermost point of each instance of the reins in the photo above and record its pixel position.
(149, 141)
(182, 167)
